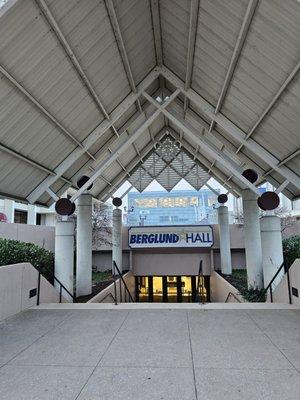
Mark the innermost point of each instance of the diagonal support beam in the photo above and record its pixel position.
(92, 137)
(123, 146)
(42, 109)
(118, 180)
(193, 135)
(119, 38)
(72, 56)
(235, 58)
(194, 9)
(272, 103)
(157, 31)
(231, 129)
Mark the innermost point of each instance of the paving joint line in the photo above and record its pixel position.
(267, 336)
(192, 356)
(109, 344)
(36, 340)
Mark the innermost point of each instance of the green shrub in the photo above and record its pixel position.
(14, 252)
(291, 249)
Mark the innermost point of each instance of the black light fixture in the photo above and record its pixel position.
(83, 180)
(117, 202)
(222, 198)
(64, 206)
(251, 175)
(268, 201)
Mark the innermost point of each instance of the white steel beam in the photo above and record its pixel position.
(194, 9)
(118, 180)
(231, 129)
(72, 56)
(237, 51)
(235, 58)
(92, 137)
(215, 172)
(119, 38)
(272, 103)
(31, 162)
(157, 31)
(42, 109)
(123, 146)
(209, 148)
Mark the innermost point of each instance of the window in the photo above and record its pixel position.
(20, 217)
(38, 219)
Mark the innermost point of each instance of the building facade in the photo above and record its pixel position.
(179, 207)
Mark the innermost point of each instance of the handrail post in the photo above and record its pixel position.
(115, 285)
(60, 293)
(39, 286)
(271, 294)
(289, 284)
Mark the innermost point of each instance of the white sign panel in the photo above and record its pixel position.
(142, 237)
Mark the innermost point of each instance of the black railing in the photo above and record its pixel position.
(269, 287)
(230, 294)
(200, 297)
(121, 280)
(61, 288)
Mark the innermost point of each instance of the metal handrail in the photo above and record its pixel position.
(286, 271)
(233, 295)
(107, 295)
(61, 286)
(125, 285)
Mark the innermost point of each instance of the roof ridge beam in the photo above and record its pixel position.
(231, 129)
(96, 133)
(72, 56)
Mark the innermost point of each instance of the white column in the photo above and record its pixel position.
(252, 240)
(117, 238)
(64, 255)
(226, 266)
(272, 252)
(9, 210)
(31, 214)
(84, 245)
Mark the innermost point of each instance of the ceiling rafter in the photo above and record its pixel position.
(272, 103)
(73, 58)
(96, 133)
(29, 161)
(43, 110)
(194, 9)
(234, 60)
(122, 49)
(232, 130)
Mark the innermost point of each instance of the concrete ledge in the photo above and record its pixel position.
(166, 306)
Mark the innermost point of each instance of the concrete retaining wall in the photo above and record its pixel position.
(16, 281)
(104, 295)
(280, 294)
(40, 235)
(220, 289)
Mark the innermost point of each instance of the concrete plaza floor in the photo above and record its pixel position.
(140, 354)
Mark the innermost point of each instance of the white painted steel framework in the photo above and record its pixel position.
(85, 71)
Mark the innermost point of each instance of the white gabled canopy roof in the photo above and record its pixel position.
(95, 87)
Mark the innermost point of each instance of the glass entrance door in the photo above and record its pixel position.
(172, 289)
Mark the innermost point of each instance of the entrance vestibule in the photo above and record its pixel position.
(172, 289)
